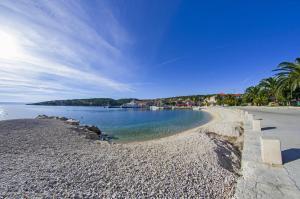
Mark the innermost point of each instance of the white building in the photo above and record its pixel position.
(212, 100)
(131, 104)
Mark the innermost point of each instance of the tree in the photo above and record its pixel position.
(230, 100)
(250, 94)
(288, 74)
(261, 99)
(269, 86)
(219, 100)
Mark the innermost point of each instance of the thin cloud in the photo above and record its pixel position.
(169, 61)
(55, 48)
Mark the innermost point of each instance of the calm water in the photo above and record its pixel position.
(123, 124)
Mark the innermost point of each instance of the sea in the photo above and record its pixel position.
(123, 125)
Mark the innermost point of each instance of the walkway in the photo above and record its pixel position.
(260, 180)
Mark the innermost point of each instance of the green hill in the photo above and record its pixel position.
(85, 102)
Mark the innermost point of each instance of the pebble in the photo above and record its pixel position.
(47, 159)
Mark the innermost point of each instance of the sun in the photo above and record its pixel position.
(9, 46)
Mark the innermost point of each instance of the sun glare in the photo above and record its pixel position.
(9, 47)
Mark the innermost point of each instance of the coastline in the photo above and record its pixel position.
(63, 163)
(212, 117)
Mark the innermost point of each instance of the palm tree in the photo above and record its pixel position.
(269, 85)
(288, 77)
(251, 93)
(220, 100)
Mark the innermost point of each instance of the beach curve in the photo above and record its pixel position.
(64, 164)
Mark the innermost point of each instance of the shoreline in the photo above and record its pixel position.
(174, 135)
(207, 128)
(156, 130)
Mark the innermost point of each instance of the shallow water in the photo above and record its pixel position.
(122, 124)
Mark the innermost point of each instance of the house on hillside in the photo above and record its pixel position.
(145, 103)
(211, 100)
(131, 104)
(189, 103)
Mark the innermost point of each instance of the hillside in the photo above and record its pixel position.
(85, 102)
(113, 102)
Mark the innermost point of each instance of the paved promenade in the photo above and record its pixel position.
(260, 180)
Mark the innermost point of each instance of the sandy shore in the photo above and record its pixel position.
(48, 158)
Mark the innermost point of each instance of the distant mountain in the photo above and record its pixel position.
(86, 102)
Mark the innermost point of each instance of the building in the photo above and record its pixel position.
(131, 104)
(189, 103)
(211, 100)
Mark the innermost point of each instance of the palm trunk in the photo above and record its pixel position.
(291, 93)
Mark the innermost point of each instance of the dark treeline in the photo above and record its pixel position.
(86, 102)
(118, 102)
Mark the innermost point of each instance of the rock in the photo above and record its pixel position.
(46, 117)
(92, 136)
(68, 121)
(42, 117)
(105, 137)
(63, 118)
(94, 129)
(72, 122)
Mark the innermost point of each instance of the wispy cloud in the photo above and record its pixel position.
(54, 47)
(166, 62)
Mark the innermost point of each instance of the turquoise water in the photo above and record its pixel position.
(122, 124)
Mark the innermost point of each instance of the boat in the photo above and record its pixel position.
(131, 104)
(196, 108)
(155, 108)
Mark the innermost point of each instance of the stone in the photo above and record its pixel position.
(92, 136)
(63, 118)
(271, 151)
(256, 125)
(72, 122)
(94, 129)
(42, 117)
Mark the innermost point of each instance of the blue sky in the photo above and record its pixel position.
(144, 49)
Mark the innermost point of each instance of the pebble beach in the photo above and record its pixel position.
(47, 158)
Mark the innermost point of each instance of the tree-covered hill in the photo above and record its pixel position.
(86, 102)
